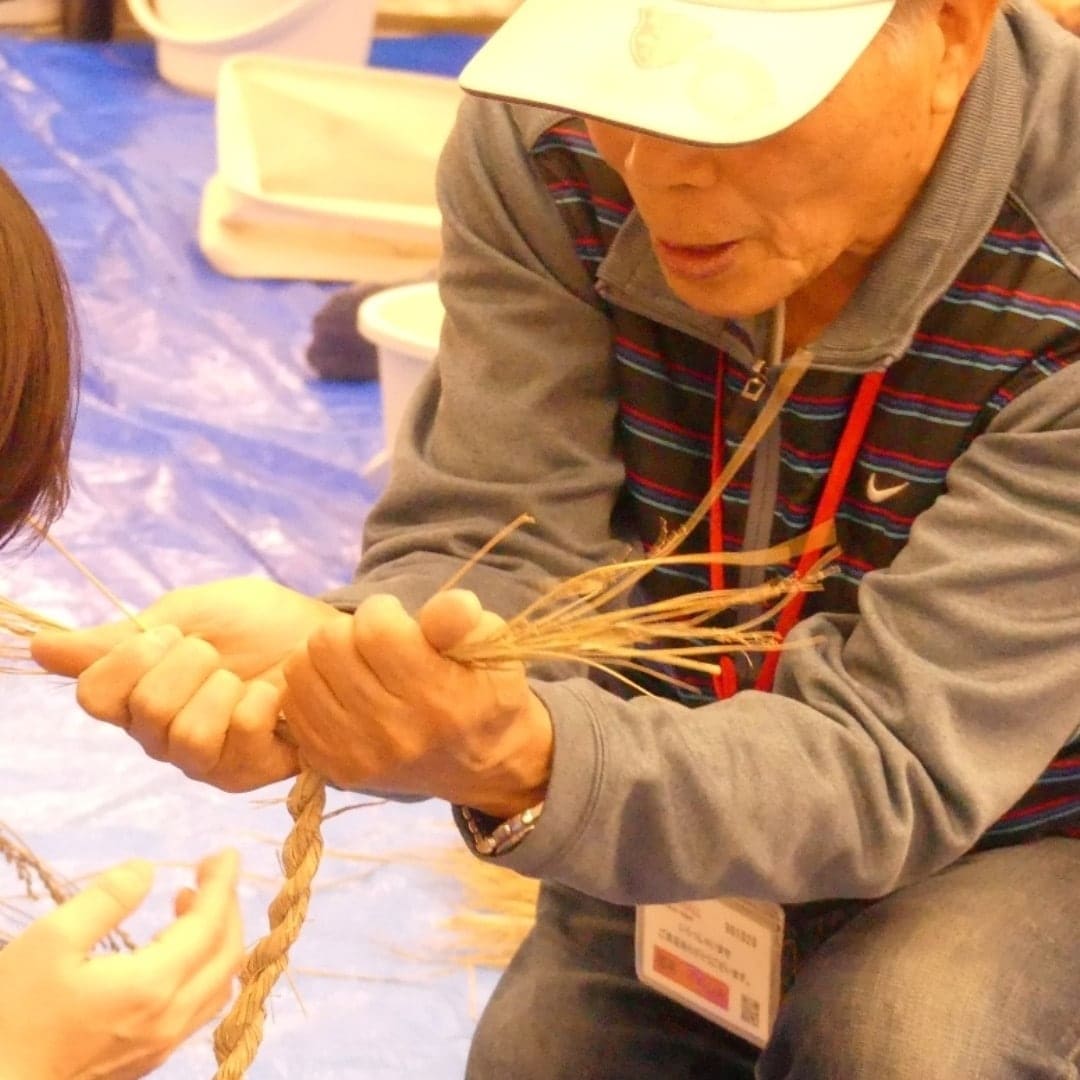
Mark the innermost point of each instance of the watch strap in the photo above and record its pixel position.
(504, 836)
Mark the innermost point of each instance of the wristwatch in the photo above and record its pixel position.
(505, 836)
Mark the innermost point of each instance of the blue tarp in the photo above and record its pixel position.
(205, 448)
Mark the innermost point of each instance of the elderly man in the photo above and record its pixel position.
(862, 859)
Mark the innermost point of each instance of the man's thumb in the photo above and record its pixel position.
(449, 617)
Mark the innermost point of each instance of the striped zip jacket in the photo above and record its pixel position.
(939, 706)
(1009, 321)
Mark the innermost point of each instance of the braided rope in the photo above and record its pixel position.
(237, 1038)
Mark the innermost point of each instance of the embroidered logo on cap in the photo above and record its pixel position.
(662, 38)
(721, 82)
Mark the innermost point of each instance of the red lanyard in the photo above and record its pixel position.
(726, 683)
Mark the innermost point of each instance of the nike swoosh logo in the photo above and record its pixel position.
(880, 494)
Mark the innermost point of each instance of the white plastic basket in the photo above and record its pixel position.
(193, 38)
(404, 323)
(326, 172)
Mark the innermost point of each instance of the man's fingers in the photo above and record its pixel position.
(70, 652)
(392, 645)
(306, 722)
(100, 908)
(331, 657)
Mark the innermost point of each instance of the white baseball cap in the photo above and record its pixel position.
(712, 72)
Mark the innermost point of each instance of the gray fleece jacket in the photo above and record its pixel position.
(886, 750)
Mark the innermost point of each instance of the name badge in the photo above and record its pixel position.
(720, 958)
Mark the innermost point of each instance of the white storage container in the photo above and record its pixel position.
(404, 323)
(326, 173)
(193, 38)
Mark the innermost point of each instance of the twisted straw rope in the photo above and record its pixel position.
(237, 1037)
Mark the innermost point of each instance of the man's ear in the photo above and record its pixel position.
(965, 27)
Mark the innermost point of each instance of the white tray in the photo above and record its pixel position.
(325, 172)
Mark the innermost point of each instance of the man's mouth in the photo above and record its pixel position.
(696, 260)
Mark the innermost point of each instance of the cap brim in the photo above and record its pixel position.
(681, 69)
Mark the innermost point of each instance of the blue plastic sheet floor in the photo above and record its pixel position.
(206, 449)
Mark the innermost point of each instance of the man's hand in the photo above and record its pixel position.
(201, 685)
(69, 1015)
(373, 703)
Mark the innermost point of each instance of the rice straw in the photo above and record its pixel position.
(35, 874)
(19, 624)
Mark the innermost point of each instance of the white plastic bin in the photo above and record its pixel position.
(326, 172)
(193, 38)
(404, 323)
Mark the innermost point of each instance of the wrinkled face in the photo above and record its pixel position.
(738, 228)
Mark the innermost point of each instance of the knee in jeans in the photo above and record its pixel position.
(903, 1018)
(524, 1034)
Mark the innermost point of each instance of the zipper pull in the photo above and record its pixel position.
(756, 384)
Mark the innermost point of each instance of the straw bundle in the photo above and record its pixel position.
(571, 621)
(498, 911)
(37, 877)
(495, 911)
(30, 870)
(17, 626)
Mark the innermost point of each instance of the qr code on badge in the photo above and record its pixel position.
(750, 1011)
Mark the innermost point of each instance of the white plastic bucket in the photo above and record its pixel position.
(193, 37)
(216, 18)
(404, 323)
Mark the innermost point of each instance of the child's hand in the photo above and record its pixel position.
(67, 1015)
(200, 686)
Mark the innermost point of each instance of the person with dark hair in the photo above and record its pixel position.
(39, 369)
(66, 1013)
(855, 858)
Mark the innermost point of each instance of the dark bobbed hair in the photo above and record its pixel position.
(39, 369)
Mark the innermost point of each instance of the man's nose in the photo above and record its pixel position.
(663, 163)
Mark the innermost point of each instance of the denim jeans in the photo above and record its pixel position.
(973, 974)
